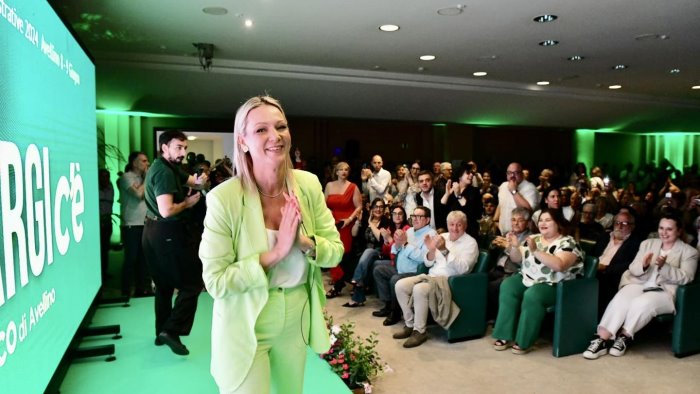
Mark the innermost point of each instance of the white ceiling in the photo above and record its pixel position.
(327, 58)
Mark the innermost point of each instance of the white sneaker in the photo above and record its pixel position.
(619, 348)
(597, 348)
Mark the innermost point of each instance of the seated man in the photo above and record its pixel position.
(615, 255)
(520, 218)
(448, 254)
(588, 228)
(409, 248)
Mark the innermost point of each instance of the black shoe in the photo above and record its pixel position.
(353, 305)
(174, 343)
(158, 342)
(384, 312)
(391, 320)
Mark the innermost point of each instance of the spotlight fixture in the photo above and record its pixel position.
(545, 18)
(575, 58)
(389, 28)
(205, 53)
(427, 58)
(696, 87)
(619, 67)
(248, 23)
(480, 74)
(675, 71)
(543, 83)
(549, 43)
(614, 87)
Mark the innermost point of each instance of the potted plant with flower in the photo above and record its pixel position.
(354, 359)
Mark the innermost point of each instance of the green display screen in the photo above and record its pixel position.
(49, 251)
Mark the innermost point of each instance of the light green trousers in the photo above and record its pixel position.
(282, 330)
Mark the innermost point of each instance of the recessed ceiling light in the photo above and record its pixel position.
(389, 28)
(377, 67)
(480, 74)
(651, 36)
(545, 18)
(451, 11)
(543, 83)
(487, 58)
(615, 87)
(549, 43)
(427, 57)
(575, 58)
(191, 137)
(696, 87)
(619, 67)
(215, 10)
(674, 71)
(421, 69)
(248, 23)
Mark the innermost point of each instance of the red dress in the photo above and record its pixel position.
(342, 206)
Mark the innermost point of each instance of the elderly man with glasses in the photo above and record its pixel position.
(409, 248)
(615, 255)
(515, 192)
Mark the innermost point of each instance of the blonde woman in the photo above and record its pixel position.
(266, 234)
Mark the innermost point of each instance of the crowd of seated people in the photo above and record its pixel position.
(642, 224)
(586, 213)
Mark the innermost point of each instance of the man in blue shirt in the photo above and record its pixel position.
(409, 249)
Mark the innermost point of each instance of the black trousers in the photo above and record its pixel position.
(105, 236)
(134, 270)
(171, 252)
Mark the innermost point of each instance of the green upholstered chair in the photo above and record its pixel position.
(576, 311)
(469, 293)
(685, 337)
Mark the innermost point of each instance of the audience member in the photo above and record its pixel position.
(546, 259)
(448, 254)
(505, 267)
(463, 196)
(429, 197)
(647, 288)
(344, 200)
(409, 248)
(514, 192)
(133, 215)
(376, 181)
(614, 256)
(106, 194)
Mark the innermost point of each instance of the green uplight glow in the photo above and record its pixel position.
(439, 124)
(134, 113)
(585, 146)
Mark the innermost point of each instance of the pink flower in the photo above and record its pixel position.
(345, 375)
(333, 362)
(345, 367)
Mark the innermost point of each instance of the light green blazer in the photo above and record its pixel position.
(233, 239)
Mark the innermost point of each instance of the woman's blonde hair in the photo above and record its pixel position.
(242, 163)
(338, 166)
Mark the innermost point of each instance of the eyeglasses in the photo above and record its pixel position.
(378, 206)
(397, 213)
(418, 216)
(516, 220)
(622, 224)
(513, 173)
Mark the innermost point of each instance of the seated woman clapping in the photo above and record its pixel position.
(546, 259)
(647, 288)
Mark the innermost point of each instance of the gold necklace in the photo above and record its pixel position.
(271, 195)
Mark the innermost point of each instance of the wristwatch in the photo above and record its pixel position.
(445, 252)
(513, 192)
(311, 252)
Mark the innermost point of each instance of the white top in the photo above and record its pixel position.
(378, 184)
(460, 260)
(291, 271)
(506, 202)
